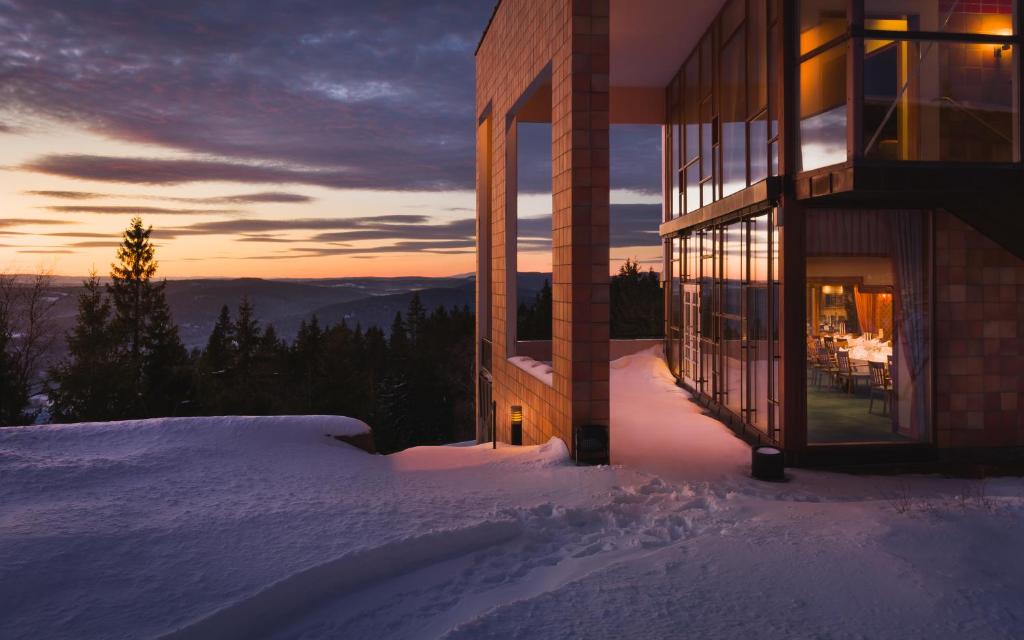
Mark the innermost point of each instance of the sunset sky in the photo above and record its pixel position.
(272, 139)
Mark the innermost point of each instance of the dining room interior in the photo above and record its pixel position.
(867, 310)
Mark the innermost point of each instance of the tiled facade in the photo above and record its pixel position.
(979, 339)
(974, 378)
(524, 37)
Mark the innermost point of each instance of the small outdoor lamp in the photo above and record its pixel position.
(517, 425)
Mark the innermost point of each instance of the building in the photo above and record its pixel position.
(843, 219)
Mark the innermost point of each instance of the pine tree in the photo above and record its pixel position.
(247, 336)
(308, 359)
(131, 277)
(12, 399)
(154, 356)
(85, 386)
(219, 352)
(637, 303)
(214, 366)
(417, 317)
(165, 390)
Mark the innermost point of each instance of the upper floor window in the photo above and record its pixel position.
(939, 81)
(723, 132)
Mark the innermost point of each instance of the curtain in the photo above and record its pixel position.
(848, 232)
(909, 257)
(867, 313)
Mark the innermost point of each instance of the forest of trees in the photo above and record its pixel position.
(637, 307)
(413, 383)
(125, 360)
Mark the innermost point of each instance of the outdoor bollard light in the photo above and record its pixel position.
(768, 463)
(517, 425)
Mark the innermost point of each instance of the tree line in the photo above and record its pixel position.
(637, 308)
(125, 360)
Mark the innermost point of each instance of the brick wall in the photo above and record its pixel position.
(979, 338)
(523, 38)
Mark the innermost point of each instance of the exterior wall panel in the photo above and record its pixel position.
(573, 37)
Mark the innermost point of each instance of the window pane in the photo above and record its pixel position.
(868, 313)
(758, 149)
(693, 187)
(673, 170)
(691, 100)
(939, 101)
(674, 283)
(991, 17)
(734, 115)
(820, 22)
(732, 16)
(757, 58)
(823, 109)
(705, 66)
(757, 321)
(705, 140)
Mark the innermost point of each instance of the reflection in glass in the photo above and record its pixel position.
(734, 115)
(991, 17)
(821, 21)
(823, 109)
(758, 149)
(928, 100)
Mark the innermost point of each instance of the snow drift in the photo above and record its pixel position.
(266, 527)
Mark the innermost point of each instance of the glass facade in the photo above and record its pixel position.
(728, 314)
(940, 81)
(723, 117)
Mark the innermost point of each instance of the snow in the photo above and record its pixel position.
(265, 527)
(536, 368)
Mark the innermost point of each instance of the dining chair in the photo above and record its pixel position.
(849, 373)
(880, 384)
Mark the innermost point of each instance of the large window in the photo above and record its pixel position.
(939, 77)
(723, 113)
(868, 335)
(729, 318)
(533, 231)
(931, 100)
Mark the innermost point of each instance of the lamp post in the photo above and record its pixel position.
(517, 425)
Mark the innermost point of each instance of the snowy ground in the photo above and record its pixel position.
(265, 527)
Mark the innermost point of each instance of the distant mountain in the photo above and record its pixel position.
(287, 302)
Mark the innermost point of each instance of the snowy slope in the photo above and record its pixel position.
(264, 527)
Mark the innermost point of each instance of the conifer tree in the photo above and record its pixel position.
(247, 336)
(219, 351)
(165, 388)
(153, 353)
(83, 387)
(11, 397)
(130, 282)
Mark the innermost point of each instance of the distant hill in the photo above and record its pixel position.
(286, 302)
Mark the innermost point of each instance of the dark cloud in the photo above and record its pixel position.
(113, 242)
(632, 225)
(375, 94)
(385, 87)
(80, 234)
(256, 225)
(244, 198)
(135, 210)
(18, 222)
